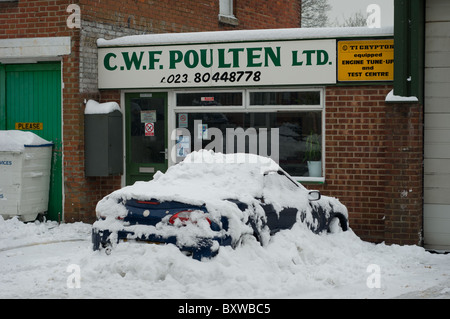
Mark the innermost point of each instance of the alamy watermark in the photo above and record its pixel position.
(374, 279)
(74, 279)
(74, 19)
(236, 140)
(374, 16)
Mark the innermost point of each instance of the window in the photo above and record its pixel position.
(226, 12)
(286, 125)
(285, 98)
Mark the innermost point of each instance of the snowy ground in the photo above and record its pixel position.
(47, 260)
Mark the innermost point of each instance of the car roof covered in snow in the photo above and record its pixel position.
(204, 177)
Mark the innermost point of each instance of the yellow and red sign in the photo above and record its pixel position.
(367, 60)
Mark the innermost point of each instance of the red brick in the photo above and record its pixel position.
(381, 170)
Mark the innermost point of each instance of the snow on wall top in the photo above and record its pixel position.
(244, 35)
(93, 107)
(397, 98)
(16, 141)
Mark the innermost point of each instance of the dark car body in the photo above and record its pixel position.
(158, 211)
(163, 221)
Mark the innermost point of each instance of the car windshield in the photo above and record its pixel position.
(279, 179)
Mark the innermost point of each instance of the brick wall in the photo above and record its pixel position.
(404, 182)
(161, 16)
(27, 19)
(374, 162)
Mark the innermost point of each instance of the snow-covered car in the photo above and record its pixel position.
(211, 200)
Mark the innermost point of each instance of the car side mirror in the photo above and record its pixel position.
(314, 196)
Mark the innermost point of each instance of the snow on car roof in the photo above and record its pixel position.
(204, 177)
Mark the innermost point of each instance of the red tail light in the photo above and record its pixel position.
(117, 217)
(148, 202)
(184, 216)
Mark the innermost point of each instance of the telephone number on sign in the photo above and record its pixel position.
(238, 76)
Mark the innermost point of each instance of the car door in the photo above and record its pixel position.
(287, 216)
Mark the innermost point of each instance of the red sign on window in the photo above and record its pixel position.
(149, 129)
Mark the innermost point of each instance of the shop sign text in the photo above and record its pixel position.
(229, 64)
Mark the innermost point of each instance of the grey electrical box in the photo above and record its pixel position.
(103, 144)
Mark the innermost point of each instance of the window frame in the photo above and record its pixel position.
(264, 108)
(210, 91)
(226, 12)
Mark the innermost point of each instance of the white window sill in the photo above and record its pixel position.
(319, 180)
(232, 20)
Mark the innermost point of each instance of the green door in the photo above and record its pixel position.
(146, 135)
(30, 99)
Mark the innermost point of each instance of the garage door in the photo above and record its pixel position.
(30, 99)
(437, 127)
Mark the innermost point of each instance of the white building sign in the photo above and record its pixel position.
(218, 65)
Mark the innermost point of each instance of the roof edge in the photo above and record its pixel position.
(245, 36)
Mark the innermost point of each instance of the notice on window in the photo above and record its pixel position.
(149, 129)
(148, 116)
(369, 60)
(183, 145)
(182, 120)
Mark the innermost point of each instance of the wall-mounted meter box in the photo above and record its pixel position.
(103, 139)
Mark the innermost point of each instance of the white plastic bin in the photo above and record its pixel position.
(25, 163)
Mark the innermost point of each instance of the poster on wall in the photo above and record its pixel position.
(368, 60)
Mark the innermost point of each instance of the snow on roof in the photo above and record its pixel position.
(16, 141)
(93, 107)
(245, 35)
